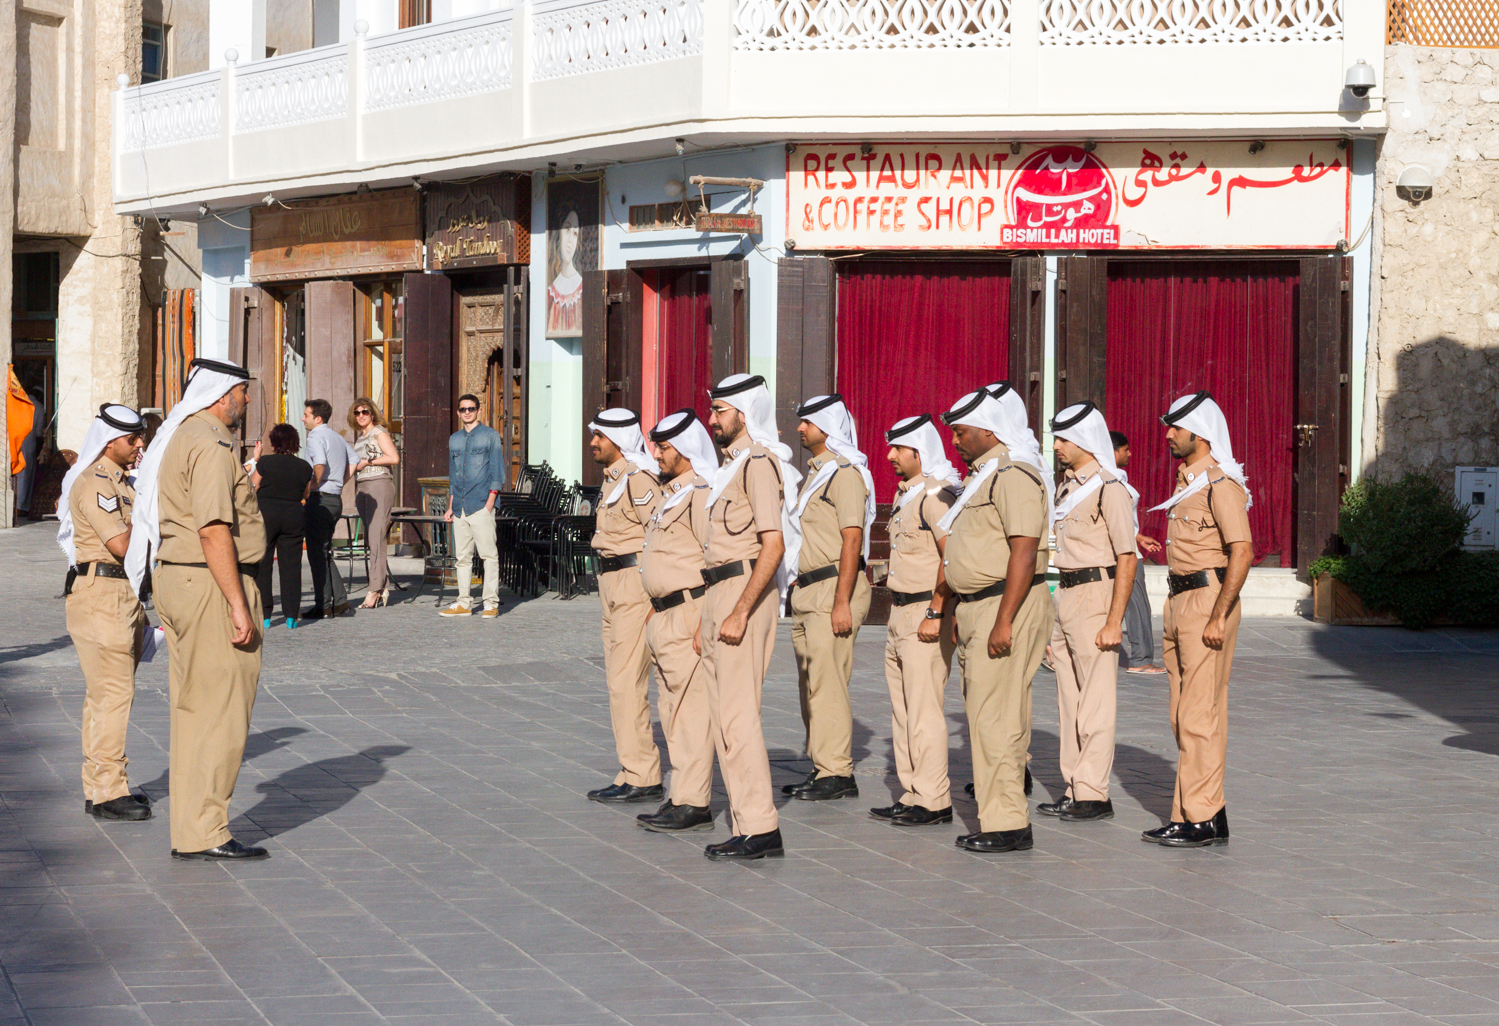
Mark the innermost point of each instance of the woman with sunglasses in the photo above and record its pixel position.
(374, 490)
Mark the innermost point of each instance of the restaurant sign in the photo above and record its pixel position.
(328, 238)
(1290, 194)
(479, 224)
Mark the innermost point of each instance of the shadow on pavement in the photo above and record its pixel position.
(256, 745)
(301, 795)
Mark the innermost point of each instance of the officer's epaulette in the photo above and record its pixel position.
(104, 477)
(224, 443)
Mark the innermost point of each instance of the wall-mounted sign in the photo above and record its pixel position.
(737, 224)
(327, 238)
(480, 224)
(1289, 194)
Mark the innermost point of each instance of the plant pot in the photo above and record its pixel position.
(1333, 602)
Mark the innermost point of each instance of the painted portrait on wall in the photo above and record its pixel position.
(572, 248)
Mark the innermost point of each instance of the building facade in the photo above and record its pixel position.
(566, 204)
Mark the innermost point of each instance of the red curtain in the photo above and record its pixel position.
(685, 333)
(1176, 327)
(913, 337)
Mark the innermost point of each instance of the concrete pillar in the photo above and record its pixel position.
(237, 25)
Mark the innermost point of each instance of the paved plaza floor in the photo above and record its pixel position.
(420, 783)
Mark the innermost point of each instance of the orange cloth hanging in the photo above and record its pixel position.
(20, 414)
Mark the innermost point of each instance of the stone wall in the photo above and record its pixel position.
(1435, 363)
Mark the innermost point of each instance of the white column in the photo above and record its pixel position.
(237, 25)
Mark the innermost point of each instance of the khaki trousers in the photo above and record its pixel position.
(107, 625)
(997, 695)
(824, 664)
(1198, 677)
(736, 675)
(682, 702)
(212, 690)
(1086, 680)
(627, 669)
(917, 674)
(471, 532)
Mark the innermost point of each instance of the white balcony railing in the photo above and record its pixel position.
(558, 79)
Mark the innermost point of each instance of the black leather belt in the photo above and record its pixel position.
(1178, 583)
(724, 571)
(905, 598)
(609, 564)
(997, 588)
(1086, 575)
(248, 569)
(676, 598)
(822, 573)
(104, 570)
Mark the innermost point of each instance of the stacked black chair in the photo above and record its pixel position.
(573, 558)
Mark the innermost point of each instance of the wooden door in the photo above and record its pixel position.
(1082, 306)
(492, 359)
(427, 363)
(1322, 403)
(254, 345)
(806, 307)
(612, 353)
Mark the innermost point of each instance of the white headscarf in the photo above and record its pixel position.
(1008, 424)
(622, 427)
(205, 387)
(753, 399)
(686, 434)
(1205, 420)
(921, 434)
(830, 413)
(1090, 433)
(1018, 436)
(100, 433)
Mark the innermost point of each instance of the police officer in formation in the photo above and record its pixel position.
(967, 573)
(196, 515)
(105, 618)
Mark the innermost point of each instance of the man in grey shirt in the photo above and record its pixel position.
(331, 457)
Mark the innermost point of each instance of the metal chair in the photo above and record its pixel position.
(439, 560)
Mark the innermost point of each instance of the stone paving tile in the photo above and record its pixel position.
(420, 784)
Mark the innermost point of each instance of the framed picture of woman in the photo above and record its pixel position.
(572, 248)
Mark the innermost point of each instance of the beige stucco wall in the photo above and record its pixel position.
(1437, 355)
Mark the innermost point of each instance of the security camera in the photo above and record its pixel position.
(1359, 79)
(1415, 184)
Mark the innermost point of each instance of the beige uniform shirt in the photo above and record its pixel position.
(1100, 527)
(914, 533)
(1011, 503)
(672, 557)
(202, 482)
(101, 501)
(837, 503)
(1201, 526)
(621, 524)
(749, 504)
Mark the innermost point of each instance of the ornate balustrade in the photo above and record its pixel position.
(870, 24)
(293, 90)
(574, 37)
(176, 111)
(1116, 22)
(438, 62)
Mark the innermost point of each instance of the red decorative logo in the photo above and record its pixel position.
(1060, 197)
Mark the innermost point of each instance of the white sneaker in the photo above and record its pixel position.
(457, 609)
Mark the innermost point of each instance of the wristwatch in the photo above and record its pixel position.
(933, 614)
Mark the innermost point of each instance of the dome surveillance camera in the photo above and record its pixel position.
(1415, 184)
(1359, 79)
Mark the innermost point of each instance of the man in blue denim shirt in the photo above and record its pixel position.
(476, 473)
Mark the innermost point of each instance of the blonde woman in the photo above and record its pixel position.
(374, 490)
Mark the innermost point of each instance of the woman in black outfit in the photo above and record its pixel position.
(282, 482)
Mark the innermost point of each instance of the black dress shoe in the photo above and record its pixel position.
(230, 851)
(672, 819)
(1191, 835)
(313, 613)
(1081, 812)
(994, 841)
(1029, 785)
(915, 816)
(825, 789)
(125, 808)
(620, 794)
(748, 847)
(1057, 807)
(789, 789)
(888, 811)
(90, 809)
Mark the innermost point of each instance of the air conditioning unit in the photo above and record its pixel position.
(1478, 487)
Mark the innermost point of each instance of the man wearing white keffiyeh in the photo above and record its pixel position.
(197, 514)
(1094, 522)
(994, 567)
(918, 652)
(630, 496)
(747, 529)
(833, 512)
(1208, 552)
(671, 569)
(105, 619)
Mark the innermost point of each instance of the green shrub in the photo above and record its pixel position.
(1463, 588)
(1401, 527)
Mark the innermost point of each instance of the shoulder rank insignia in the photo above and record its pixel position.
(225, 444)
(108, 503)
